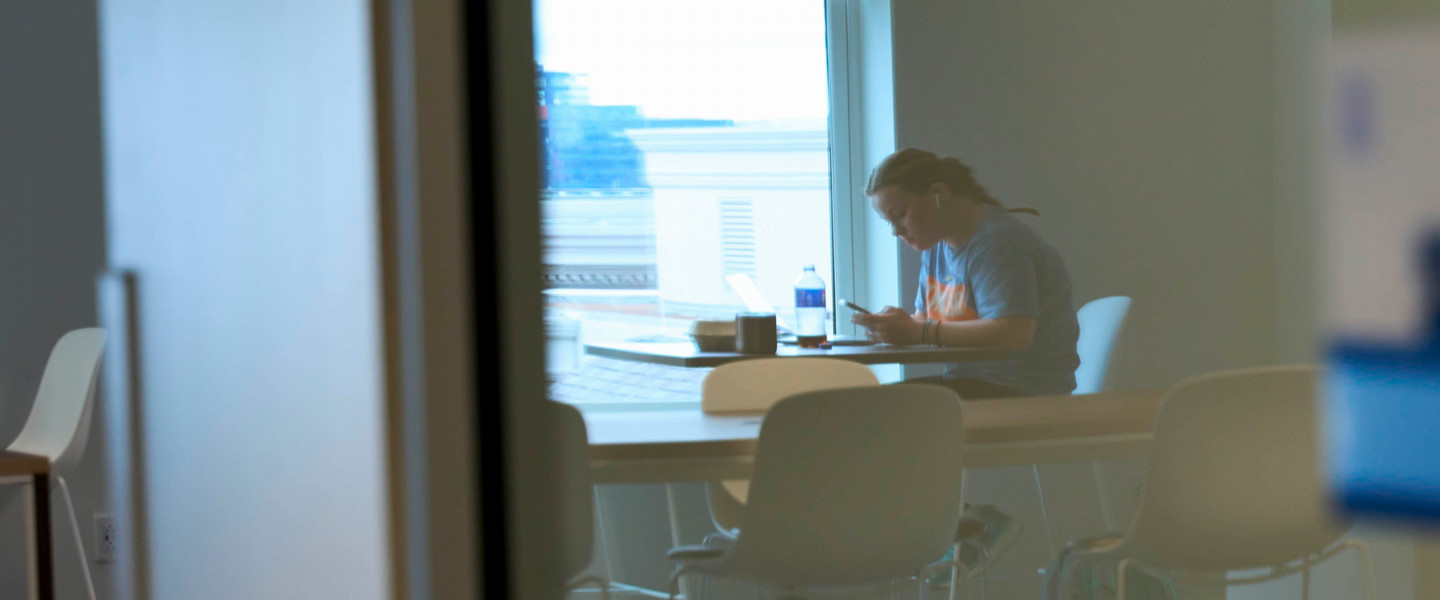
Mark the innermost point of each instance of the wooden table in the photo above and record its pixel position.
(688, 445)
(16, 467)
(684, 354)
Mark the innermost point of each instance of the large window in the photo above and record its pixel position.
(684, 141)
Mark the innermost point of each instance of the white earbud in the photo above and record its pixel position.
(937, 201)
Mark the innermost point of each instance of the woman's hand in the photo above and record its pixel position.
(892, 326)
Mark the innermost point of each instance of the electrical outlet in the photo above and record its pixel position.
(104, 537)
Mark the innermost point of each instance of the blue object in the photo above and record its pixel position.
(1383, 419)
(1383, 425)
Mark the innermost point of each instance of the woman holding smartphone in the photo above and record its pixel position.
(986, 280)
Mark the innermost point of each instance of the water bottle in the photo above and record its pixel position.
(810, 309)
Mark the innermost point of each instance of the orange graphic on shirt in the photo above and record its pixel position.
(946, 302)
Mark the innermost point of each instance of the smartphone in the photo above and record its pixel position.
(853, 306)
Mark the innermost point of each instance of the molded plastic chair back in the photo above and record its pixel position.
(59, 422)
(1101, 322)
(756, 384)
(577, 496)
(1234, 479)
(851, 486)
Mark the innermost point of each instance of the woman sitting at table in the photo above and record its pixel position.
(986, 280)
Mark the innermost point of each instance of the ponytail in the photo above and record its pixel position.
(916, 170)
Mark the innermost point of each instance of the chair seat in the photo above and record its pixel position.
(693, 553)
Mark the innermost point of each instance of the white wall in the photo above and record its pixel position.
(1144, 134)
(1302, 35)
(52, 244)
(1158, 141)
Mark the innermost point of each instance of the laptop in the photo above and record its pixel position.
(749, 293)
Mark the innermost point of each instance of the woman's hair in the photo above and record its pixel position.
(916, 170)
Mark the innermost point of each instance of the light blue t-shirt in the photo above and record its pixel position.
(1006, 269)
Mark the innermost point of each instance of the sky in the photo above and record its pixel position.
(746, 60)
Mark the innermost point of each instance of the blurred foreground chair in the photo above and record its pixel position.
(53, 440)
(577, 499)
(754, 386)
(1233, 485)
(853, 487)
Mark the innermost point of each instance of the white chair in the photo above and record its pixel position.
(852, 487)
(754, 386)
(1101, 322)
(1234, 485)
(577, 493)
(59, 423)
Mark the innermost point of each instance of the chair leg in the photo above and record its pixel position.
(1044, 514)
(1120, 578)
(1104, 499)
(602, 538)
(1305, 580)
(75, 529)
(955, 571)
(1367, 572)
(1056, 586)
(603, 583)
(969, 587)
(675, 530)
(675, 582)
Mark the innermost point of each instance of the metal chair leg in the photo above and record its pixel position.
(1367, 572)
(1104, 499)
(75, 529)
(1044, 513)
(1120, 578)
(675, 582)
(596, 579)
(955, 571)
(1305, 580)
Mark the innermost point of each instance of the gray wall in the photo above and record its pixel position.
(1144, 134)
(51, 247)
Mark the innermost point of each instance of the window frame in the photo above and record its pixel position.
(847, 201)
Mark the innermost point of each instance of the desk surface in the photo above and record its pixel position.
(16, 463)
(693, 446)
(684, 354)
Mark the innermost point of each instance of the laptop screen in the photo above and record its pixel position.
(753, 299)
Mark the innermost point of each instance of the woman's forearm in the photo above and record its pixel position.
(1013, 333)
